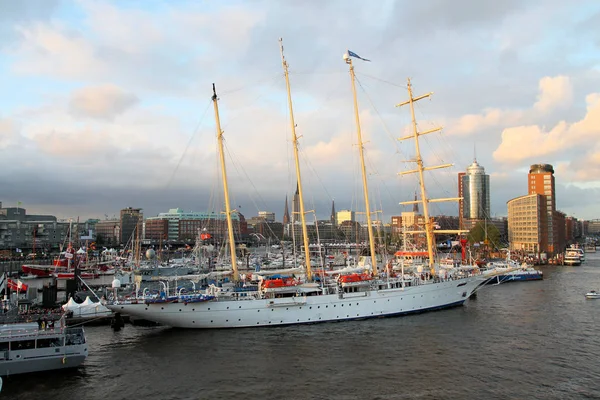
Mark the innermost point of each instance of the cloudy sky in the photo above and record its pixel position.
(105, 105)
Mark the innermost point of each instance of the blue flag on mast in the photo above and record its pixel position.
(353, 54)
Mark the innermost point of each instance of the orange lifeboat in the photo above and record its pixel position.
(355, 278)
(280, 282)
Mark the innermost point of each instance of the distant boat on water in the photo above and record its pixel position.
(590, 247)
(574, 256)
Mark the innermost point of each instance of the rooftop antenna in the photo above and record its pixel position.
(474, 151)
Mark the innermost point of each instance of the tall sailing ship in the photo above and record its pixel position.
(314, 296)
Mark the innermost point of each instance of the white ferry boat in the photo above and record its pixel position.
(572, 257)
(26, 347)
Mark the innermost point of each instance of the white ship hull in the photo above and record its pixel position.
(37, 360)
(572, 261)
(306, 309)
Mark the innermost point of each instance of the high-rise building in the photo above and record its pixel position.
(461, 202)
(131, 223)
(534, 224)
(475, 193)
(527, 224)
(541, 181)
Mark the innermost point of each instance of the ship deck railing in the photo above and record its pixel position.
(36, 332)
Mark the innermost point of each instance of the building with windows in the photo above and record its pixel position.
(461, 200)
(156, 229)
(131, 224)
(26, 232)
(475, 191)
(183, 225)
(108, 232)
(345, 215)
(527, 224)
(541, 181)
(592, 227)
(267, 216)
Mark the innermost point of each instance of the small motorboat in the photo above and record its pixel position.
(592, 295)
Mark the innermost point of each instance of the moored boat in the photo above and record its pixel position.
(509, 270)
(71, 275)
(25, 347)
(43, 271)
(572, 257)
(33, 346)
(349, 296)
(519, 274)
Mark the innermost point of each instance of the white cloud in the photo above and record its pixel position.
(8, 133)
(555, 92)
(475, 123)
(51, 51)
(169, 55)
(525, 143)
(102, 102)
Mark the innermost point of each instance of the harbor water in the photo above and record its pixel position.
(534, 340)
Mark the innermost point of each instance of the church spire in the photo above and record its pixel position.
(286, 212)
(332, 217)
(416, 205)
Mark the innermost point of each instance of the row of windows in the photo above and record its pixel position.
(523, 238)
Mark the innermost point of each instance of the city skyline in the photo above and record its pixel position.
(109, 108)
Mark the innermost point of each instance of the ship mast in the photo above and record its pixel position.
(228, 210)
(363, 168)
(429, 232)
(296, 159)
